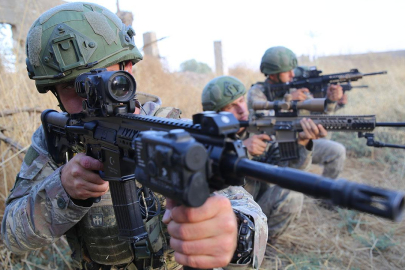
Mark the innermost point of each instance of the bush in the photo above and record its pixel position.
(194, 66)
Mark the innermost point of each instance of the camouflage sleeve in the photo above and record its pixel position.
(242, 201)
(38, 210)
(255, 93)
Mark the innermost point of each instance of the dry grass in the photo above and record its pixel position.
(319, 239)
(180, 90)
(323, 239)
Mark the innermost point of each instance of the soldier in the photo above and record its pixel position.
(48, 201)
(278, 65)
(281, 206)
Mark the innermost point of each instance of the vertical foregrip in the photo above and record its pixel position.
(380, 202)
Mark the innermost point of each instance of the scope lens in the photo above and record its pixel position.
(121, 87)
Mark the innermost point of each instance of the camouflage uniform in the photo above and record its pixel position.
(39, 211)
(281, 206)
(331, 155)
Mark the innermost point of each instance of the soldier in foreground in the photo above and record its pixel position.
(281, 206)
(278, 65)
(48, 201)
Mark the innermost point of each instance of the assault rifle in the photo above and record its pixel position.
(182, 160)
(317, 84)
(285, 123)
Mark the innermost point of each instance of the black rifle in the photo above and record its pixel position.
(317, 84)
(182, 160)
(285, 123)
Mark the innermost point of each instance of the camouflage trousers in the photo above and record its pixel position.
(281, 206)
(331, 155)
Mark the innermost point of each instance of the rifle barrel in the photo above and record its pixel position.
(375, 73)
(376, 201)
(390, 124)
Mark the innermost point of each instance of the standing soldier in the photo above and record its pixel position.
(278, 65)
(49, 200)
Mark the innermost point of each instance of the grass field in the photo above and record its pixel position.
(319, 238)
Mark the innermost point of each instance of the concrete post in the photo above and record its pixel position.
(126, 16)
(150, 46)
(219, 65)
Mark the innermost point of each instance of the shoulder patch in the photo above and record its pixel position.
(30, 156)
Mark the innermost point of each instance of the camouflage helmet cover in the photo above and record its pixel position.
(73, 38)
(221, 91)
(277, 59)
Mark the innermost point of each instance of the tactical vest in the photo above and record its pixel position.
(270, 94)
(95, 242)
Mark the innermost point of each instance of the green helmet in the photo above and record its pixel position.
(74, 38)
(278, 59)
(221, 91)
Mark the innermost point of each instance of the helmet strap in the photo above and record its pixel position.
(53, 90)
(122, 65)
(278, 78)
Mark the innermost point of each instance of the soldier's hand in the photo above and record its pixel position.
(256, 144)
(202, 237)
(300, 94)
(79, 179)
(334, 92)
(343, 100)
(310, 131)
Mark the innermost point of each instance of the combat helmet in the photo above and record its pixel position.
(221, 91)
(277, 59)
(74, 38)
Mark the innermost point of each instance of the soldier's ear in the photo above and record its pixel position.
(128, 66)
(273, 77)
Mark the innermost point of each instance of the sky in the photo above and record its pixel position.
(247, 28)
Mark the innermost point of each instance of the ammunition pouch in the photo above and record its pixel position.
(95, 241)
